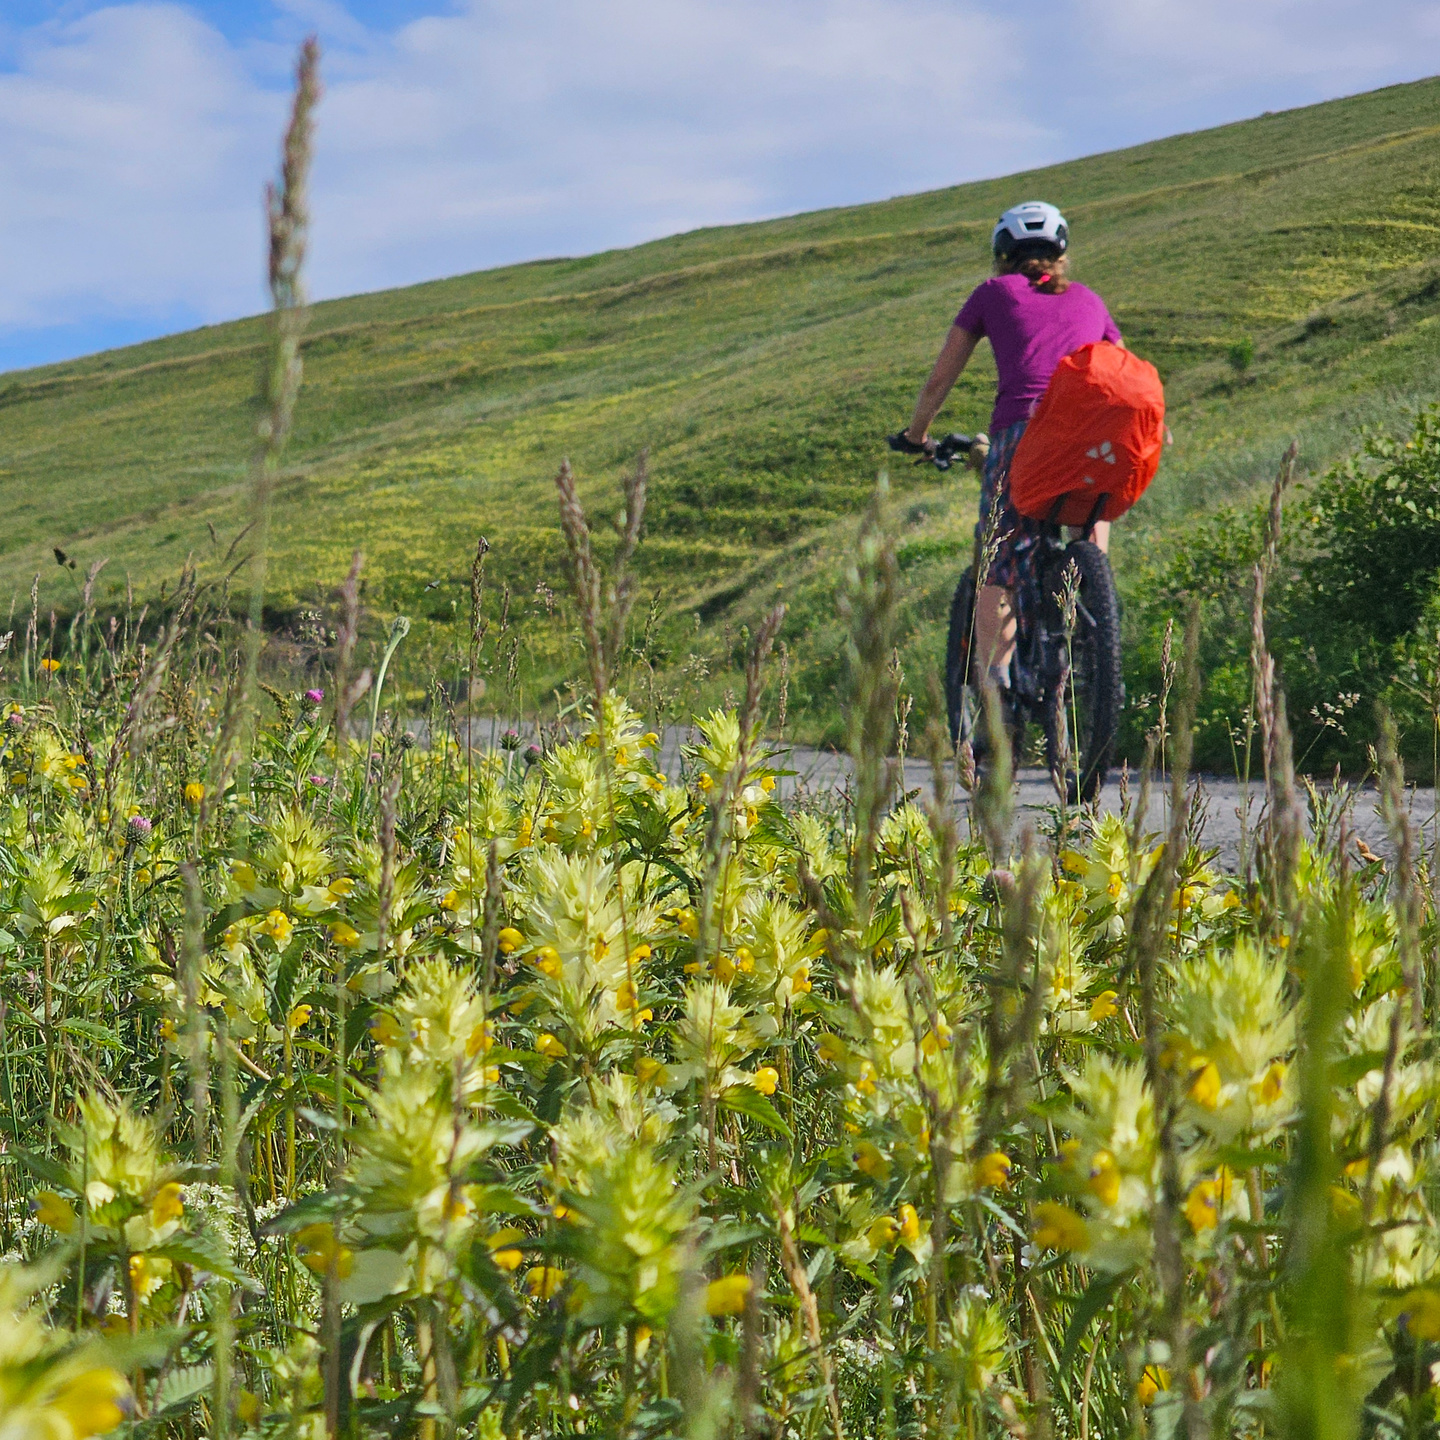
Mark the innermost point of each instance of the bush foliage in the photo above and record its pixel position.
(1353, 612)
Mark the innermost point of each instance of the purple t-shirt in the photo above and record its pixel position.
(1031, 333)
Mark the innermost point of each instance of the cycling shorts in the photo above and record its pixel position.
(1016, 535)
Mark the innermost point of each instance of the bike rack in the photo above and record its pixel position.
(1095, 509)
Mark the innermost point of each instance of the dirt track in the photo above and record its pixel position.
(1224, 800)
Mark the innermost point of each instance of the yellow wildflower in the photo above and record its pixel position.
(992, 1171)
(626, 997)
(866, 1083)
(1103, 1006)
(1205, 1086)
(547, 961)
(54, 1210)
(298, 1017)
(1115, 886)
(1153, 1379)
(727, 1295)
(649, 740)
(91, 1401)
(765, 1079)
(279, 927)
(340, 887)
(550, 1047)
(1072, 862)
(1422, 1314)
(705, 783)
(1272, 1084)
(745, 960)
(503, 1250)
(194, 793)
(1202, 1207)
(934, 1041)
(767, 784)
(1059, 1228)
(168, 1204)
(385, 1029)
(510, 940)
(319, 1248)
(542, 1281)
(450, 900)
(689, 925)
(883, 1232)
(909, 1224)
(1104, 1180)
(647, 1067)
(344, 935)
(869, 1160)
(49, 666)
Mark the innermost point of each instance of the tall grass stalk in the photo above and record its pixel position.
(868, 602)
(1146, 956)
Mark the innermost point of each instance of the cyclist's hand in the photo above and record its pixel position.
(902, 442)
(979, 449)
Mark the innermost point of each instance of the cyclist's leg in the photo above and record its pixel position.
(994, 629)
(1100, 535)
(997, 535)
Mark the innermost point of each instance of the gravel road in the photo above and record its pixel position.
(822, 773)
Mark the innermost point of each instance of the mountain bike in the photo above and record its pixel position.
(1065, 669)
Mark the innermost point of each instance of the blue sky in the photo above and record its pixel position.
(136, 135)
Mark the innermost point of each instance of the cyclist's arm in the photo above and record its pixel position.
(954, 355)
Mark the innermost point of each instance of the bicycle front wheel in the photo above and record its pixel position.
(1084, 695)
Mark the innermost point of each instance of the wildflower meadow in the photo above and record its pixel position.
(363, 1080)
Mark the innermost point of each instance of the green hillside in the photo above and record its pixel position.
(760, 364)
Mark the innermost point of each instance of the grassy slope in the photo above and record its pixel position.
(760, 364)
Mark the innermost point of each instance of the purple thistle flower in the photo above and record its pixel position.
(320, 781)
(139, 827)
(510, 740)
(314, 697)
(532, 754)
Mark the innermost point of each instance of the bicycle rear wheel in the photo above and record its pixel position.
(960, 697)
(1084, 695)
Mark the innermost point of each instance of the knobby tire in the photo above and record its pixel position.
(1091, 692)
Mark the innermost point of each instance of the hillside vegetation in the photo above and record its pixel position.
(1283, 273)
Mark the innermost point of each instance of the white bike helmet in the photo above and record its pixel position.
(1033, 223)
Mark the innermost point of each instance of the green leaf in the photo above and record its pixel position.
(181, 1386)
(145, 1351)
(43, 1168)
(1089, 1305)
(201, 1252)
(307, 1211)
(1238, 1157)
(1356, 1067)
(88, 1030)
(746, 1100)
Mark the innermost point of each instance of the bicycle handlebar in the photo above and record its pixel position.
(942, 456)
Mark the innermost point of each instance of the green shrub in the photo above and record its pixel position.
(1353, 612)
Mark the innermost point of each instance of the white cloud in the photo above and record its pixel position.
(134, 140)
(132, 143)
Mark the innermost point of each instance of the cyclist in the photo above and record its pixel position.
(1033, 316)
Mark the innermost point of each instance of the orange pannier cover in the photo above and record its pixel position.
(1098, 430)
